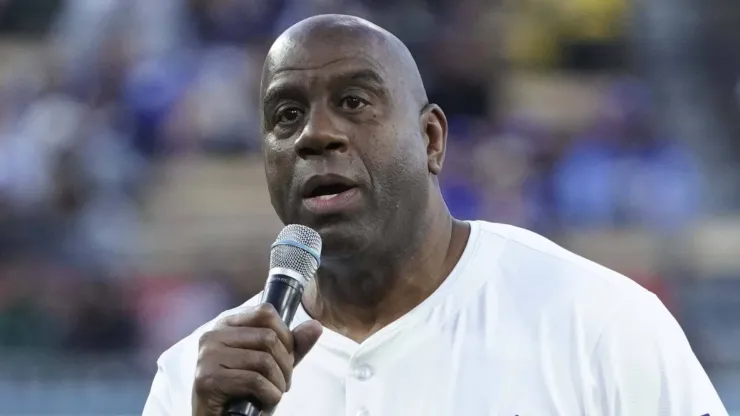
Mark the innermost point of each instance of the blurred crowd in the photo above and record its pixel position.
(118, 86)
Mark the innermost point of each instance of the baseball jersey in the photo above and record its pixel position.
(520, 327)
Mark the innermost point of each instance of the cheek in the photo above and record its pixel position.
(278, 156)
(397, 161)
(278, 172)
(407, 152)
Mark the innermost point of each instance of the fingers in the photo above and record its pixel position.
(225, 384)
(259, 362)
(262, 316)
(250, 355)
(305, 337)
(258, 339)
(249, 383)
(224, 373)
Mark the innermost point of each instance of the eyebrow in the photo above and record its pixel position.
(364, 78)
(367, 77)
(282, 90)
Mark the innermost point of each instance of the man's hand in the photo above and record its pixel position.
(249, 355)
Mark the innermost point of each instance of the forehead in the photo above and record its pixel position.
(313, 60)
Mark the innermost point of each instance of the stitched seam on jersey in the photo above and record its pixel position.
(622, 305)
(601, 274)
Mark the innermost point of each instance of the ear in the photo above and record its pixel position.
(434, 129)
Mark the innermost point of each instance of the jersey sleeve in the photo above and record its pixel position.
(172, 388)
(159, 402)
(643, 365)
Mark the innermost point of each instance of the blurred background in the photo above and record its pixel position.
(132, 200)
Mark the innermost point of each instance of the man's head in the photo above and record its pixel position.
(345, 113)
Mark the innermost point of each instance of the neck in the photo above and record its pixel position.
(356, 297)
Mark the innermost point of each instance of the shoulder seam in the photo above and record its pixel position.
(558, 257)
(624, 304)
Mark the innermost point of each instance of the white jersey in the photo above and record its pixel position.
(520, 327)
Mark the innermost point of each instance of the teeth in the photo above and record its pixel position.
(326, 197)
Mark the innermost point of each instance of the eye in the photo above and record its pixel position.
(353, 103)
(288, 115)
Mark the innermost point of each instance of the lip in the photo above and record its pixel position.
(333, 204)
(323, 180)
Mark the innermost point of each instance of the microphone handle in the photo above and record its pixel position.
(284, 293)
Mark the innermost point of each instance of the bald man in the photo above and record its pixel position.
(414, 313)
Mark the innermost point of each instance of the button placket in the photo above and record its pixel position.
(362, 389)
(362, 372)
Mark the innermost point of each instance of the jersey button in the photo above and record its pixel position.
(363, 412)
(363, 372)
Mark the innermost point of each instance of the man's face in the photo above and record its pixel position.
(342, 142)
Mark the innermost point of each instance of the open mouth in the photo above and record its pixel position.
(326, 192)
(330, 194)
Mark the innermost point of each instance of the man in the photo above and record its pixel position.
(412, 311)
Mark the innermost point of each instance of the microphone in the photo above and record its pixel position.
(294, 258)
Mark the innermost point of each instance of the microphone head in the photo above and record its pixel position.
(297, 248)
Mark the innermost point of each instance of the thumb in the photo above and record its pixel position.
(305, 336)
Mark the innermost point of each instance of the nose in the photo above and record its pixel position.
(320, 135)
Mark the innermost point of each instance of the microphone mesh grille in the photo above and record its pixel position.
(291, 250)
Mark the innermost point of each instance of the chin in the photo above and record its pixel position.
(341, 240)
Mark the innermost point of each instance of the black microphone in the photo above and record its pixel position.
(294, 258)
